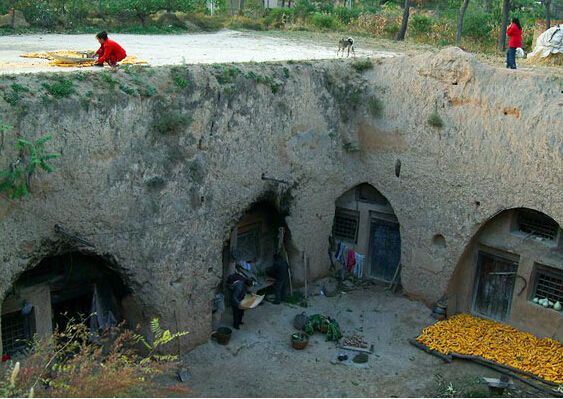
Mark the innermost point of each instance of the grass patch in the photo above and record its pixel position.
(171, 122)
(375, 107)
(127, 89)
(62, 88)
(362, 65)
(12, 96)
(275, 84)
(108, 79)
(228, 75)
(435, 120)
(180, 77)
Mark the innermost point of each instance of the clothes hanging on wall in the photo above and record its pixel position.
(351, 261)
(359, 267)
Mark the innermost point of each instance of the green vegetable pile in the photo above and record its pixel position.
(324, 324)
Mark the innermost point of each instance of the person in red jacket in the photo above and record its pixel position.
(109, 51)
(514, 33)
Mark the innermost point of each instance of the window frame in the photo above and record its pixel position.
(550, 271)
(351, 214)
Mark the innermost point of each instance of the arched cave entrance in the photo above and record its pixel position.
(366, 233)
(259, 234)
(73, 286)
(514, 257)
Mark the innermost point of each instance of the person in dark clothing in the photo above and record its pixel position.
(280, 271)
(239, 284)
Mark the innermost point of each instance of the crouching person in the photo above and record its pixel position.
(109, 51)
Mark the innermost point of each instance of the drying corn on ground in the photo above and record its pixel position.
(77, 58)
(503, 344)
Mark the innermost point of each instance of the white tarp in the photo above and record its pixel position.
(549, 42)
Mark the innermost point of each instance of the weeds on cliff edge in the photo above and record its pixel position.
(12, 96)
(60, 89)
(228, 75)
(75, 362)
(362, 65)
(15, 180)
(180, 77)
(435, 120)
(108, 79)
(274, 83)
(375, 106)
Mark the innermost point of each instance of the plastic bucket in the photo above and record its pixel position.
(223, 335)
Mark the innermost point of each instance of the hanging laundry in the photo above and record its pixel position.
(350, 260)
(359, 268)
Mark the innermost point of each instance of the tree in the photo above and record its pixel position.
(504, 24)
(547, 4)
(462, 11)
(405, 21)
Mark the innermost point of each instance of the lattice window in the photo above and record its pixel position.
(248, 245)
(14, 334)
(537, 224)
(548, 283)
(345, 225)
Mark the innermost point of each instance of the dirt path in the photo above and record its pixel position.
(220, 47)
(259, 361)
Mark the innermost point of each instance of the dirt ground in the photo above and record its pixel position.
(220, 47)
(260, 362)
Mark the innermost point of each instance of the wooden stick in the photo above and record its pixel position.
(354, 348)
(305, 269)
(445, 358)
(487, 362)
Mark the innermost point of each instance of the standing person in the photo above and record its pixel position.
(514, 33)
(280, 271)
(109, 51)
(239, 283)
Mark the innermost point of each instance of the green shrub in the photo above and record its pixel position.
(60, 89)
(109, 79)
(346, 15)
(171, 122)
(16, 179)
(278, 17)
(12, 96)
(362, 65)
(180, 77)
(127, 89)
(70, 364)
(375, 106)
(206, 23)
(421, 24)
(228, 75)
(435, 120)
(391, 28)
(478, 25)
(324, 21)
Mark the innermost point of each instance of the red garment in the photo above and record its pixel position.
(5, 358)
(351, 261)
(110, 52)
(514, 36)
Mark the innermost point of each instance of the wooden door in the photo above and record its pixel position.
(384, 249)
(494, 286)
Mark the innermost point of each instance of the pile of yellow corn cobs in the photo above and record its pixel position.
(81, 61)
(468, 335)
